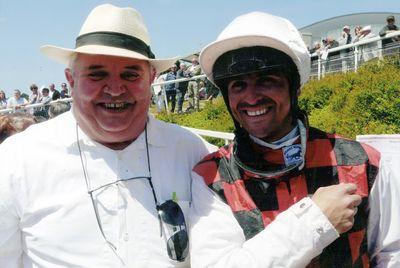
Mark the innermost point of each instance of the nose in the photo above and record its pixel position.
(253, 94)
(115, 87)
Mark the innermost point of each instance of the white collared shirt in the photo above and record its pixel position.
(46, 215)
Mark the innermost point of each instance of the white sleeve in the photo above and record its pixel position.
(384, 217)
(10, 235)
(293, 239)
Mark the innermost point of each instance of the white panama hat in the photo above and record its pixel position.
(113, 31)
(258, 29)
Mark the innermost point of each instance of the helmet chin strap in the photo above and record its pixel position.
(270, 174)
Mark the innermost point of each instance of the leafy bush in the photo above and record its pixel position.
(214, 116)
(350, 104)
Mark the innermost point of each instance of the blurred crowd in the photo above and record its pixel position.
(349, 36)
(174, 95)
(18, 102)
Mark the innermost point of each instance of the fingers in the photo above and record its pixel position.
(349, 188)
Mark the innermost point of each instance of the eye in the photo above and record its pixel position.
(129, 76)
(97, 75)
(270, 81)
(237, 86)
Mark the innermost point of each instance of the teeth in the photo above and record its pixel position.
(255, 113)
(118, 105)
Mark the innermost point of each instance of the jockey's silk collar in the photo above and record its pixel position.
(289, 139)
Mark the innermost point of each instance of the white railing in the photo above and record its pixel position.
(227, 137)
(350, 57)
(24, 108)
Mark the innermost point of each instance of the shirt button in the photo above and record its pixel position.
(126, 237)
(320, 230)
(302, 205)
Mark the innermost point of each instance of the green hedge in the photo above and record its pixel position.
(214, 116)
(355, 103)
(350, 104)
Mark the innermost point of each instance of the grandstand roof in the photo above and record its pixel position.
(333, 27)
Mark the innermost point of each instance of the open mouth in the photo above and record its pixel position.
(115, 106)
(258, 112)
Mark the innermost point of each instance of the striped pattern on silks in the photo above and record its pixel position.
(330, 159)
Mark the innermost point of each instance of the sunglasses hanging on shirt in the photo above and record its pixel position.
(170, 215)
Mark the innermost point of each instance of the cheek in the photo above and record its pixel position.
(141, 91)
(86, 91)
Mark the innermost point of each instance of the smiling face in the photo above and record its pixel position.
(260, 103)
(111, 97)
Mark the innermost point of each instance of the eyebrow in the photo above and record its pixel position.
(95, 67)
(130, 67)
(133, 67)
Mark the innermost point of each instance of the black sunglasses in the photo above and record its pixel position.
(175, 228)
(170, 215)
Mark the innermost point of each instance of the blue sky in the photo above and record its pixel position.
(177, 27)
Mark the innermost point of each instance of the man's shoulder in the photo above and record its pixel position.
(214, 158)
(347, 151)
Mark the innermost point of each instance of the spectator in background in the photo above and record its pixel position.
(357, 33)
(367, 51)
(389, 27)
(54, 93)
(181, 87)
(330, 57)
(34, 96)
(331, 43)
(16, 101)
(45, 99)
(64, 91)
(170, 88)
(345, 37)
(315, 48)
(11, 124)
(193, 85)
(388, 42)
(366, 32)
(3, 100)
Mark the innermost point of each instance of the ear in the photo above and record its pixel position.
(70, 79)
(152, 74)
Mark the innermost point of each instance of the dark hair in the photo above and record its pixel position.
(45, 89)
(33, 86)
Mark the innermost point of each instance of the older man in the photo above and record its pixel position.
(251, 204)
(193, 86)
(110, 190)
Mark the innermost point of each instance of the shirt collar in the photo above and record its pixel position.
(289, 139)
(154, 135)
